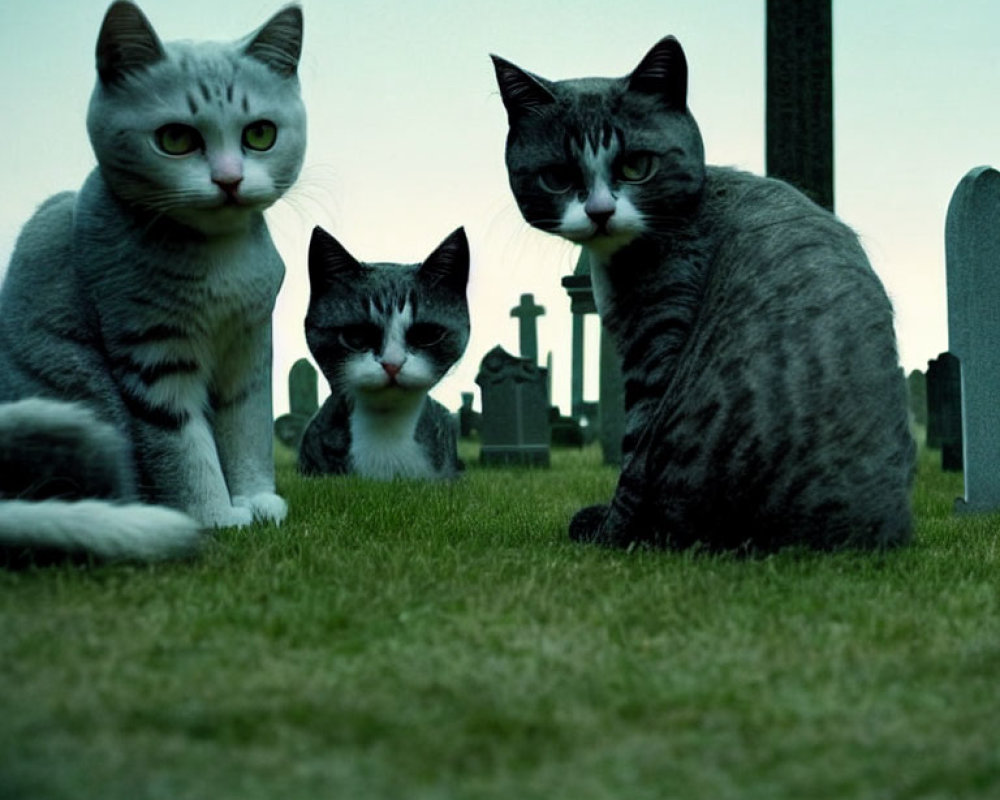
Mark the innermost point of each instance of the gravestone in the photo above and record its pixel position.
(800, 96)
(528, 313)
(944, 410)
(916, 384)
(515, 425)
(469, 420)
(972, 250)
(611, 402)
(302, 403)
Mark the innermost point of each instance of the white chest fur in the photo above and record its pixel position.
(383, 445)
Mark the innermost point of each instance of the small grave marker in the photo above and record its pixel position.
(515, 426)
(303, 402)
(527, 314)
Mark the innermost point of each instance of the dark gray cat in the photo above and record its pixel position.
(384, 335)
(135, 333)
(765, 405)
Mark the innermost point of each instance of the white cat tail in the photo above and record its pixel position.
(107, 531)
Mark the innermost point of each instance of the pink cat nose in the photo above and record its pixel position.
(229, 186)
(392, 370)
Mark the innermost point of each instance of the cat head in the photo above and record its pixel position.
(208, 134)
(383, 332)
(600, 161)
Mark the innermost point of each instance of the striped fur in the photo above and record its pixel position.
(384, 335)
(142, 303)
(765, 405)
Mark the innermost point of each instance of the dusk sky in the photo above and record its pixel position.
(406, 132)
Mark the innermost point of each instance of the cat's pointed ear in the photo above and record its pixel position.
(329, 262)
(448, 265)
(663, 72)
(279, 42)
(127, 43)
(522, 92)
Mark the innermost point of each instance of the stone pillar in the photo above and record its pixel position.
(800, 96)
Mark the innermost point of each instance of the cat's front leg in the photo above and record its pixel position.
(244, 437)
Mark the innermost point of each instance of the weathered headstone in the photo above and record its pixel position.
(944, 410)
(972, 249)
(800, 96)
(611, 403)
(302, 403)
(469, 420)
(528, 313)
(916, 384)
(515, 418)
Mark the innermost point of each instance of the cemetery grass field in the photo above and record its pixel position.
(414, 642)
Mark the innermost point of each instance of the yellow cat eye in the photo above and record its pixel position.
(260, 135)
(556, 180)
(637, 167)
(178, 140)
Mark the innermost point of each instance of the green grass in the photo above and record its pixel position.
(413, 641)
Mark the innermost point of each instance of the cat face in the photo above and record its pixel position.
(386, 332)
(208, 134)
(601, 161)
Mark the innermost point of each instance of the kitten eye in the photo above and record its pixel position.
(637, 167)
(360, 338)
(178, 140)
(556, 180)
(425, 334)
(260, 135)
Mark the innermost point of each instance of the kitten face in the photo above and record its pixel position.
(603, 161)
(386, 333)
(208, 134)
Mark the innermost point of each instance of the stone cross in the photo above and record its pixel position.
(972, 249)
(800, 96)
(527, 312)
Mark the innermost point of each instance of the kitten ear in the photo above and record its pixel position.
(448, 265)
(329, 262)
(278, 43)
(663, 72)
(522, 92)
(127, 43)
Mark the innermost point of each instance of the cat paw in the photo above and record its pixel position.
(586, 524)
(264, 506)
(224, 517)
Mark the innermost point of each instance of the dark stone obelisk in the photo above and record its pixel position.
(800, 96)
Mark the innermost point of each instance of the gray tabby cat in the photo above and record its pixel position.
(384, 335)
(765, 405)
(135, 332)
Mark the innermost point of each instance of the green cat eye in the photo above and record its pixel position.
(556, 180)
(425, 334)
(260, 135)
(636, 167)
(362, 337)
(178, 140)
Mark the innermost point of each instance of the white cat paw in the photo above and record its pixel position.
(264, 506)
(224, 517)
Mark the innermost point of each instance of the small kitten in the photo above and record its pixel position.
(135, 332)
(384, 335)
(765, 405)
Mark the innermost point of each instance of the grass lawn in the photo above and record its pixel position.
(412, 641)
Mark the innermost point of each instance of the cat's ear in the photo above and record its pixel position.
(522, 92)
(663, 72)
(279, 42)
(127, 43)
(329, 262)
(448, 265)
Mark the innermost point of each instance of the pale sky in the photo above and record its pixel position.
(406, 132)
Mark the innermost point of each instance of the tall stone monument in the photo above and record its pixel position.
(972, 249)
(527, 313)
(800, 96)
